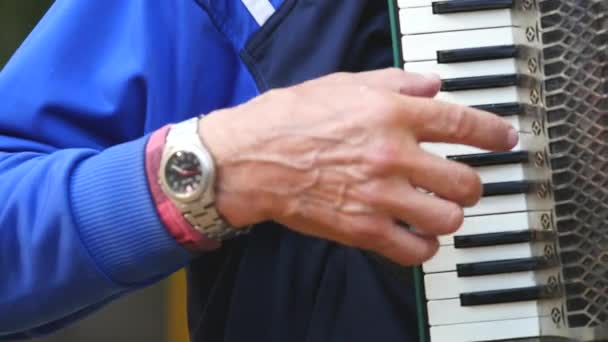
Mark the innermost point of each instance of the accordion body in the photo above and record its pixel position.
(531, 260)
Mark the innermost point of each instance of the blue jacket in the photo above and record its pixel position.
(77, 225)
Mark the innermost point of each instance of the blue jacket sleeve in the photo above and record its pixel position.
(77, 225)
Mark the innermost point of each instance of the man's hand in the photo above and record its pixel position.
(339, 158)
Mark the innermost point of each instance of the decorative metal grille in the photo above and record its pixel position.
(575, 49)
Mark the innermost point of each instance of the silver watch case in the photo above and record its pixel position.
(204, 192)
(197, 207)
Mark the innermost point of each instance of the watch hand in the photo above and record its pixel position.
(187, 173)
(178, 169)
(183, 172)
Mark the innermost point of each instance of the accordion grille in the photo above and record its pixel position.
(575, 91)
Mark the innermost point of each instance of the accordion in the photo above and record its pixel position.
(531, 259)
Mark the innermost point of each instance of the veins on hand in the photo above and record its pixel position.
(307, 168)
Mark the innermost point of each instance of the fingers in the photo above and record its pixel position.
(370, 232)
(432, 121)
(428, 213)
(445, 178)
(405, 247)
(393, 80)
(402, 82)
(436, 121)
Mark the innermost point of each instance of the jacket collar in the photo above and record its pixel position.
(238, 20)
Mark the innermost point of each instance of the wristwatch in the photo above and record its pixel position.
(187, 177)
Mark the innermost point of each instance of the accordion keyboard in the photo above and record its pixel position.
(499, 276)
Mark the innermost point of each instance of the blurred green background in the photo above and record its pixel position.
(17, 18)
(156, 314)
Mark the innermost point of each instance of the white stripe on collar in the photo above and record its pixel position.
(261, 10)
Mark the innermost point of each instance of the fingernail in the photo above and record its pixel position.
(513, 137)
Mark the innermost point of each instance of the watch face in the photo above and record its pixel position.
(183, 173)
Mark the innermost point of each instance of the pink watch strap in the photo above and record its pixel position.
(169, 214)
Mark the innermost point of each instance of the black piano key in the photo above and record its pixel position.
(493, 239)
(506, 188)
(492, 158)
(455, 6)
(503, 266)
(502, 109)
(477, 54)
(479, 82)
(501, 238)
(505, 296)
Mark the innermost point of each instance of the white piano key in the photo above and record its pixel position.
(422, 20)
(444, 149)
(501, 173)
(499, 204)
(489, 224)
(414, 3)
(520, 123)
(447, 285)
(423, 47)
(449, 311)
(482, 96)
(510, 173)
(487, 331)
(448, 257)
(467, 69)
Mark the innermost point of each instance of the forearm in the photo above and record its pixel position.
(78, 227)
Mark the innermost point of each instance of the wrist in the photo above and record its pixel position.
(237, 197)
